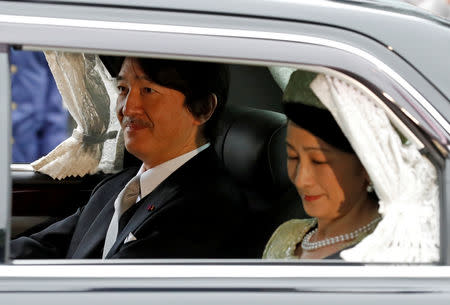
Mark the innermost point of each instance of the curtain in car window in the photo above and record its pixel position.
(404, 180)
(89, 94)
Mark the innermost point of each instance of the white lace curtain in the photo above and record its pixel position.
(404, 180)
(88, 92)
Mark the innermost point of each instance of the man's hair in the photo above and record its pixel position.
(196, 80)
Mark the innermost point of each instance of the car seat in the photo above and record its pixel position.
(251, 144)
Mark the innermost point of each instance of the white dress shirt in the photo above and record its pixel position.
(152, 177)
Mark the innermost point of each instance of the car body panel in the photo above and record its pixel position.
(222, 283)
(340, 37)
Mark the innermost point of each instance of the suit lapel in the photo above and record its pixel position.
(149, 206)
(95, 235)
(94, 238)
(157, 200)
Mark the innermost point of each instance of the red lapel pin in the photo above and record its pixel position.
(150, 207)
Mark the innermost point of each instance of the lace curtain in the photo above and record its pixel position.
(88, 92)
(404, 180)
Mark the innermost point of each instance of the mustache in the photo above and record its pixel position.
(136, 121)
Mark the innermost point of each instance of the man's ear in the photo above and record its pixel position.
(209, 110)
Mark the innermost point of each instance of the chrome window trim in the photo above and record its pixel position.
(21, 167)
(5, 157)
(209, 269)
(164, 28)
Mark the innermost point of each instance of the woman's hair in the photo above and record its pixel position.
(303, 107)
(319, 122)
(196, 80)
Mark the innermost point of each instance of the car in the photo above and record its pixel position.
(397, 53)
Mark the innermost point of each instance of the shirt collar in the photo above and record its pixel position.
(152, 177)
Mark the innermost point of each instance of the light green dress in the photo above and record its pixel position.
(287, 236)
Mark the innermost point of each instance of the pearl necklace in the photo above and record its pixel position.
(307, 245)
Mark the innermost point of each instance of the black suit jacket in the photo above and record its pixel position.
(197, 212)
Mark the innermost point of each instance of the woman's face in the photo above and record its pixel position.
(331, 182)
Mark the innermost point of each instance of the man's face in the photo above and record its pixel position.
(156, 123)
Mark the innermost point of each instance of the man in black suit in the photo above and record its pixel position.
(187, 206)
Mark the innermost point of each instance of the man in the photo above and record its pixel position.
(186, 205)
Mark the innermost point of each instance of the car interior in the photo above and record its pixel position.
(249, 140)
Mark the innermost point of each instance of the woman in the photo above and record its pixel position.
(333, 184)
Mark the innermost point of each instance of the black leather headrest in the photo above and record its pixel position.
(251, 144)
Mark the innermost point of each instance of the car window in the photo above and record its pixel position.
(261, 143)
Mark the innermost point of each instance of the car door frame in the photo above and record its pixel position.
(244, 41)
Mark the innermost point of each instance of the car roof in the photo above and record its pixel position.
(403, 28)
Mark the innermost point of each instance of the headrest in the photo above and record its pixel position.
(251, 144)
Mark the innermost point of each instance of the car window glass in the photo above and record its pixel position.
(252, 126)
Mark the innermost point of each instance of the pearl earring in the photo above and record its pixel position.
(369, 187)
